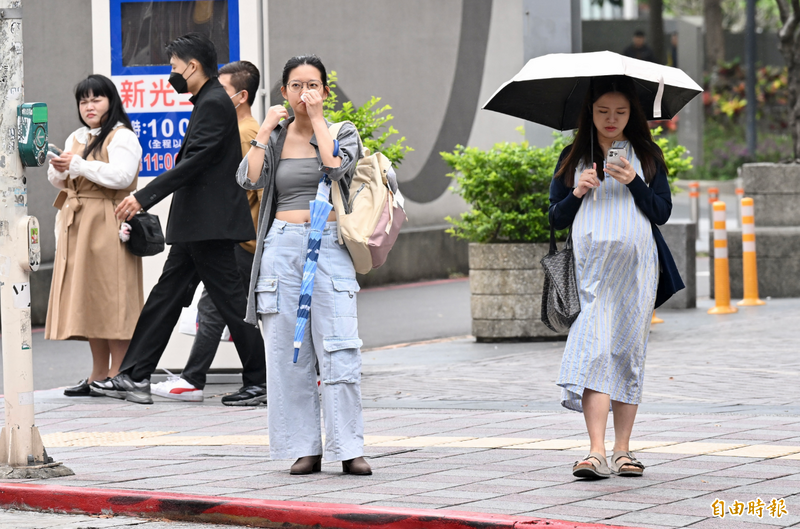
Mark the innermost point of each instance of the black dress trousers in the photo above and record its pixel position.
(212, 262)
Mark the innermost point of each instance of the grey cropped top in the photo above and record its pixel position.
(296, 182)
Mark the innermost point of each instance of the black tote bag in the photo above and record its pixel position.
(561, 304)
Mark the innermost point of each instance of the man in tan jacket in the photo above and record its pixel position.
(240, 80)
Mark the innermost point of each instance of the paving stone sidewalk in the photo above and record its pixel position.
(477, 427)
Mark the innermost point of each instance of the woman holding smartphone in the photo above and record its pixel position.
(288, 158)
(96, 293)
(618, 253)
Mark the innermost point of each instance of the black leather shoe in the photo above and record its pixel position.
(357, 467)
(306, 465)
(81, 390)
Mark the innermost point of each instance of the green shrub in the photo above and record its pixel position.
(507, 188)
(677, 163)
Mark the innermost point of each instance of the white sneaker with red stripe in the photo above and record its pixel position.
(177, 388)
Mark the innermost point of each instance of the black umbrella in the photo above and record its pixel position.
(550, 90)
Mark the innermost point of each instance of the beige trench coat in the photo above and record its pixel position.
(97, 283)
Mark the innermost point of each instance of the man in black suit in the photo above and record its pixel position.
(208, 216)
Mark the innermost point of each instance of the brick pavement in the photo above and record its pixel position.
(692, 358)
(720, 424)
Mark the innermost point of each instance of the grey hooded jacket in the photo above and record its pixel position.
(349, 152)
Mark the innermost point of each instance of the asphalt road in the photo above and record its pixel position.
(387, 315)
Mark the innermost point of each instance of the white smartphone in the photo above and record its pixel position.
(613, 157)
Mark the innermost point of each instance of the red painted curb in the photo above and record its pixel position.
(257, 513)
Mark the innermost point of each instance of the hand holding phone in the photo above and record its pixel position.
(614, 157)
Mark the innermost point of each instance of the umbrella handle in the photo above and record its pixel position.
(591, 142)
(659, 97)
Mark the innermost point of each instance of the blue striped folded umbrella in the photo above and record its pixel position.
(320, 208)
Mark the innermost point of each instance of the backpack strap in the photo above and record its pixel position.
(338, 207)
(336, 192)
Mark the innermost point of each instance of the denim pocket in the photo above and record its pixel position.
(267, 295)
(344, 297)
(341, 363)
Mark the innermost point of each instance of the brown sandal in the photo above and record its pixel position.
(631, 468)
(587, 469)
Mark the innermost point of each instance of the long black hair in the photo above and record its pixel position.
(636, 131)
(100, 85)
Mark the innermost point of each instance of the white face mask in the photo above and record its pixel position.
(236, 94)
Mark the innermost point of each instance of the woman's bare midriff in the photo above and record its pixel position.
(299, 216)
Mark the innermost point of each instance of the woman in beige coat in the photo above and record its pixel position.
(96, 294)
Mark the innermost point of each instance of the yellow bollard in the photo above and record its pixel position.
(655, 319)
(713, 196)
(739, 197)
(722, 280)
(749, 272)
(694, 205)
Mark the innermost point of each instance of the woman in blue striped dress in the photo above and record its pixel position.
(613, 215)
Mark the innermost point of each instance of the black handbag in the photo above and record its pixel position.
(561, 304)
(146, 238)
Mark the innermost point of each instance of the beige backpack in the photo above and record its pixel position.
(376, 212)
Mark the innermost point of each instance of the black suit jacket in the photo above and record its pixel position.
(207, 203)
(655, 201)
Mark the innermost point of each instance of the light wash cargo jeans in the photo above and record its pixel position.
(331, 341)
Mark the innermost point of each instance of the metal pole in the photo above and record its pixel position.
(17, 441)
(21, 445)
(263, 58)
(750, 81)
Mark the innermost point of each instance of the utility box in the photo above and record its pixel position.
(32, 133)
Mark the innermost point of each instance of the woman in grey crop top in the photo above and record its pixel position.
(296, 182)
(289, 156)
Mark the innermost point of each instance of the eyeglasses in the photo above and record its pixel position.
(296, 86)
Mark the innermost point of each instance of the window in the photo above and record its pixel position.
(147, 27)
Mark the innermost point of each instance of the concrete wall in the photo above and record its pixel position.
(615, 35)
(767, 51)
(680, 238)
(57, 54)
(775, 190)
(436, 63)
(549, 26)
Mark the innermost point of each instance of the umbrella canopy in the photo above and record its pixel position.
(550, 89)
(320, 208)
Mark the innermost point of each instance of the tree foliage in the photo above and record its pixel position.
(733, 12)
(675, 156)
(789, 44)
